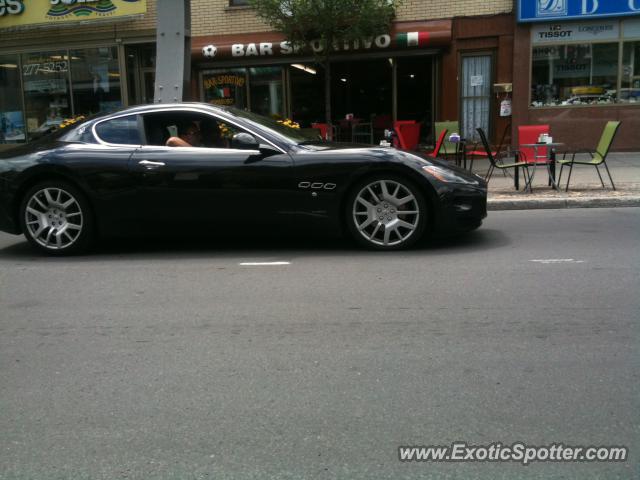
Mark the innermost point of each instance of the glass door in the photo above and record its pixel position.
(475, 94)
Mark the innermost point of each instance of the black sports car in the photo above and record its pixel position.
(114, 174)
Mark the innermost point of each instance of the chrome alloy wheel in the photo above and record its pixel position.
(53, 218)
(386, 213)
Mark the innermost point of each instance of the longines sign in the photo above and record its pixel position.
(548, 10)
(19, 13)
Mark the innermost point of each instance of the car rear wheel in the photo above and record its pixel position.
(56, 218)
(386, 213)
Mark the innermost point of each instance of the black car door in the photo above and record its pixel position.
(212, 188)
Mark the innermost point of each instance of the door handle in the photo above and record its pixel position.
(150, 164)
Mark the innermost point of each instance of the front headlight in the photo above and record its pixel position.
(447, 176)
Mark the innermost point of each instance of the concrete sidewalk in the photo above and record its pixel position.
(585, 189)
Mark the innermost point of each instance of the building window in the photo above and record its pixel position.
(238, 3)
(266, 91)
(11, 118)
(258, 89)
(95, 78)
(225, 87)
(630, 85)
(45, 76)
(574, 74)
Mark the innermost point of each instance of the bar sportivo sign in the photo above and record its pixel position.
(16, 13)
(262, 49)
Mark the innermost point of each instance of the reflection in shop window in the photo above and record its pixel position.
(225, 87)
(630, 89)
(11, 119)
(46, 90)
(95, 78)
(266, 91)
(574, 74)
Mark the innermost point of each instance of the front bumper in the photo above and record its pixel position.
(462, 208)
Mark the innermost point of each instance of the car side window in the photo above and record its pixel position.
(122, 130)
(194, 129)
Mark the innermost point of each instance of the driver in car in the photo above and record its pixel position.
(190, 137)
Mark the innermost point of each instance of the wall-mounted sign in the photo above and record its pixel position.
(551, 10)
(404, 35)
(575, 32)
(20, 13)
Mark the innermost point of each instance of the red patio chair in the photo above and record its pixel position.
(439, 143)
(407, 134)
(530, 134)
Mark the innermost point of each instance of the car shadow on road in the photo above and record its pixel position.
(188, 247)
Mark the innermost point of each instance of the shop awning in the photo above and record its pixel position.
(403, 36)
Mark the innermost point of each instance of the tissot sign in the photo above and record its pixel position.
(547, 10)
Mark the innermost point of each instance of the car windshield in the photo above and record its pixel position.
(279, 128)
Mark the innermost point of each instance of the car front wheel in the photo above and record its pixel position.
(56, 218)
(386, 213)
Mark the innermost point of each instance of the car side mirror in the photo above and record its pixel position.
(244, 141)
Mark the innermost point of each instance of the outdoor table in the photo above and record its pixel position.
(549, 161)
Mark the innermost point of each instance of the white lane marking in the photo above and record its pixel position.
(556, 260)
(261, 264)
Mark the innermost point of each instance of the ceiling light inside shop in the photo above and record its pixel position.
(304, 68)
(343, 79)
(412, 76)
(8, 65)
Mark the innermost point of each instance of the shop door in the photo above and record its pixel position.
(475, 94)
(141, 72)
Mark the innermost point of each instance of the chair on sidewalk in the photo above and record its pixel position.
(452, 126)
(476, 152)
(327, 131)
(362, 133)
(407, 134)
(496, 162)
(598, 157)
(438, 147)
(528, 134)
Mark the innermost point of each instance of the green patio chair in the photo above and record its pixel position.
(598, 157)
(448, 148)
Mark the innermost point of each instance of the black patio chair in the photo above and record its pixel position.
(496, 161)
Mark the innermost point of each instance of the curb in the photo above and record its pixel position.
(555, 203)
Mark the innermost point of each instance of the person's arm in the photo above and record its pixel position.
(176, 142)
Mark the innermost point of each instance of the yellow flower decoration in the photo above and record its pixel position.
(287, 122)
(225, 131)
(70, 121)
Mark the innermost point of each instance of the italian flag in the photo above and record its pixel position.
(412, 39)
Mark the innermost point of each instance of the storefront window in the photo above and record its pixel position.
(95, 78)
(307, 93)
(11, 119)
(46, 90)
(574, 74)
(630, 88)
(225, 87)
(266, 91)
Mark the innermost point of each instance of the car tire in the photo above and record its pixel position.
(56, 218)
(386, 212)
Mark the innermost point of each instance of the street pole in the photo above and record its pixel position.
(173, 45)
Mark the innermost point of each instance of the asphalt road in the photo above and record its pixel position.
(170, 360)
